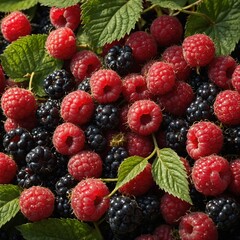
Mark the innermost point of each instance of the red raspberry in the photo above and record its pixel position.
(178, 99)
(15, 25)
(61, 43)
(173, 208)
(163, 232)
(234, 186)
(3, 81)
(198, 50)
(145, 68)
(144, 117)
(140, 184)
(236, 78)
(18, 103)
(138, 145)
(204, 138)
(83, 64)
(135, 88)
(227, 107)
(36, 203)
(89, 201)
(167, 30)
(77, 107)
(211, 175)
(144, 46)
(174, 55)
(68, 139)
(160, 78)
(8, 168)
(106, 86)
(85, 164)
(65, 17)
(220, 71)
(197, 226)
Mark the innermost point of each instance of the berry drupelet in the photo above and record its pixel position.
(208, 91)
(231, 140)
(85, 85)
(64, 185)
(41, 136)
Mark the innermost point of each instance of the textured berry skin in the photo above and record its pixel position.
(167, 30)
(178, 99)
(63, 208)
(174, 55)
(77, 107)
(173, 208)
(204, 138)
(198, 50)
(68, 139)
(143, 45)
(197, 226)
(160, 78)
(227, 107)
(65, 17)
(41, 136)
(8, 168)
(15, 25)
(36, 203)
(61, 43)
(2, 80)
(163, 232)
(85, 164)
(220, 71)
(64, 185)
(211, 175)
(83, 64)
(88, 200)
(18, 103)
(144, 117)
(106, 86)
(234, 186)
(140, 184)
(235, 78)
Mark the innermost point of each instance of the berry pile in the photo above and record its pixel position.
(151, 90)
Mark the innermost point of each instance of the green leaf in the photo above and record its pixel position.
(170, 174)
(83, 39)
(129, 169)
(9, 202)
(13, 5)
(27, 58)
(222, 23)
(106, 21)
(173, 5)
(58, 229)
(59, 3)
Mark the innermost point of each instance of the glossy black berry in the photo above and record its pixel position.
(64, 185)
(41, 136)
(197, 79)
(208, 91)
(63, 207)
(231, 140)
(85, 85)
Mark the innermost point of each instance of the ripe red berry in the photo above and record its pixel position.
(163, 232)
(3, 81)
(236, 78)
(234, 186)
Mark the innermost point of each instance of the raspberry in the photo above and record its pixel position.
(68, 139)
(83, 64)
(211, 175)
(167, 30)
(143, 45)
(204, 138)
(66, 17)
(18, 103)
(15, 25)
(8, 168)
(144, 117)
(85, 164)
(198, 50)
(234, 186)
(163, 232)
(140, 184)
(77, 107)
(89, 201)
(61, 43)
(197, 226)
(160, 78)
(178, 99)
(36, 203)
(227, 107)
(220, 71)
(64, 185)
(173, 208)
(26, 178)
(2, 80)
(135, 88)
(174, 55)
(236, 78)
(106, 86)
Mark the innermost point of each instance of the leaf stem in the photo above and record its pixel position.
(98, 231)
(109, 179)
(30, 81)
(193, 4)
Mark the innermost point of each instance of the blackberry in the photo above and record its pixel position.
(231, 140)
(63, 207)
(198, 199)
(61, 164)
(85, 85)
(18, 142)
(3, 44)
(197, 79)
(64, 185)
(124, 215)
(95, 138)
(41, 136)
(119, 59)
(224, 211)
(58, 84)
(48, 114)
(176, 135)
(208, 91)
